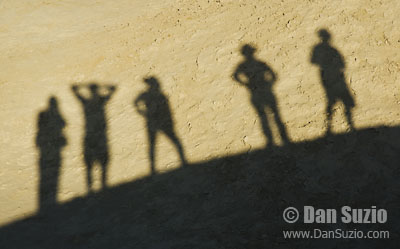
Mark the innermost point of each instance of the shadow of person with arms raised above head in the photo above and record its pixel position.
(259, 78)
(95, 141)
(50, 141)
(331, 64)
(153, 105)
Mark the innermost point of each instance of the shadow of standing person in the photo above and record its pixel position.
(154, 106)
(259, 78)
(332, 67)
(49, 140)
(95, 141)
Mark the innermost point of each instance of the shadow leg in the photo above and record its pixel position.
(49, 169)
(329, 112)
(281, 126)
(89, 163)
(171, 134)
(152, 141)
(349, 118)
(264, 122)
(104, 163)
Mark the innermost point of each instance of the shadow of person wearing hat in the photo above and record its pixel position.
(259, 78)
(153, 105)
(331, 64)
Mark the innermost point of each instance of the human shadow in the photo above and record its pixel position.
(332, 65)
(95, 141)
(259, 78)
(154, 107)
(50, 141)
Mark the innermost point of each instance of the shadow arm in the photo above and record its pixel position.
(75, 90)
(269, 74)
(111, 90)
(274, 77)
(315, 56)
(236, 76)
(136, 104)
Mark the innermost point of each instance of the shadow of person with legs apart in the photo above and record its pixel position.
(95, 141)
(153, 105)
(331, 64)
(259, 78)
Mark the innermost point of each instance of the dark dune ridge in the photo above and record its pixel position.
(232, 202)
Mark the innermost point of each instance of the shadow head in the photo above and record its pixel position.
(324, 35)
(53, 101)
(248, 50)
(93, 87)
(53, 104)
(152, 82)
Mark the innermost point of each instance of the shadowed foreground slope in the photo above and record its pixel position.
(232, 202)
